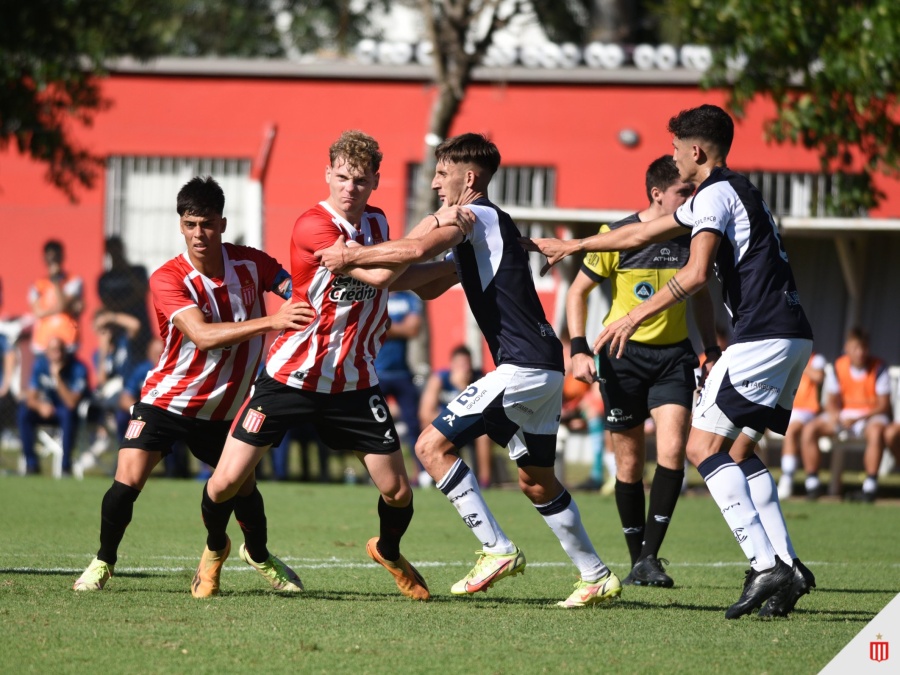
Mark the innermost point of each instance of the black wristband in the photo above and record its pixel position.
(579, 345)
(714, 352)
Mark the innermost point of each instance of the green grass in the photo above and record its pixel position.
(351, 619)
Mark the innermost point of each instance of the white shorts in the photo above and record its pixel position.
(752, 388)
(517, 407)
(858, 428)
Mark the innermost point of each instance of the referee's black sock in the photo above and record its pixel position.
(394, 521)
(115, 515)
(215, 518)
(631, 505)
(251, 516)
(663, 496)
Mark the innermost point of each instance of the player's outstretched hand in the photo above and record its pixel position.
(333, 256)
(616, 336)
(554, 249)
(583, 368)
(458, 216)
(295, 315)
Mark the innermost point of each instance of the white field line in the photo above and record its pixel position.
(339, 563)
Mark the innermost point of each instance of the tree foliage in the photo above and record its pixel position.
(831, 68)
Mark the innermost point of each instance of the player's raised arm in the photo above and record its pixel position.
(636, 235)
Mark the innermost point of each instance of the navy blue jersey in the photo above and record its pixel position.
(751, 263)
(494, 272)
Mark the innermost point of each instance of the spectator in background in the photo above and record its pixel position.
(857, 405)
(7, 373)
(806, 409)
(123, 290)
(58, 384)
(56, 302)
(442, 387)
(394, 376)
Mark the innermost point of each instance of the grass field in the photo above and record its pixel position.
(351, 619)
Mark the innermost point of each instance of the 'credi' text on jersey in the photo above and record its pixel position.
(348, 289)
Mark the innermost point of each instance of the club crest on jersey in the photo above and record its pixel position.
(348, 289)
(253, 421)
(643, 290)
(248, 295)
(135, 427)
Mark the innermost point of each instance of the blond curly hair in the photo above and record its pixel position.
(359, 150)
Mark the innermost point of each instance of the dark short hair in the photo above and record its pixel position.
(859, 334)
(475, 149)
(707, 123)
(661, 174)
(53, 245)
(201, 196)
(461, 350)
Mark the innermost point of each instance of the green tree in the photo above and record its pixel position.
(50, 54)
(831, 68)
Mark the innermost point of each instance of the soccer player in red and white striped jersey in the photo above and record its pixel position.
(212, 318)
(324, 371)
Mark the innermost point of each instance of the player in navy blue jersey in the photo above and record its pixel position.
(518, 404)
(751, 388)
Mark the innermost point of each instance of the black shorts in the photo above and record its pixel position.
(154, 429)
(350, 420)
(645, 378)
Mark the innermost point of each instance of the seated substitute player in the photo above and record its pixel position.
(751, 387)
(806, 409)
(519, 403)
(858, 404)
(324, 373)
(211, 310)
(654, 377)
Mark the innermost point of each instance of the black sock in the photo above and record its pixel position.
(663, 496)
(215, 518)
(250, 513)
(630, 502)
(393, 522)
(115, 514)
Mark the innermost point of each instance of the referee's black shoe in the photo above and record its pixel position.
(783, 602)
(759, 587)
(649, 571)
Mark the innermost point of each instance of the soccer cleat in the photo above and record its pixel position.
(860, 496)
(282, 577)
(785, 486)
(593, 592)
(206, 579)
(94, 578)
(408, 579)
(783, 602)
(649, 571)
(814, 493)
(759, 587)
(490, 568)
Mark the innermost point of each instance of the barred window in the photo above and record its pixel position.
(140, 201)
(803, 195)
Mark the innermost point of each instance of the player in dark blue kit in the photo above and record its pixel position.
(752, 386)
(518, 404)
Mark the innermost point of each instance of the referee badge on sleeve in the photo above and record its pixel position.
(253, 421)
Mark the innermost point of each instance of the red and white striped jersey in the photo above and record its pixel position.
(208, 385)
(336, 351)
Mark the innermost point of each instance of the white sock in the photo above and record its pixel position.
(461, 488)
(765, 498)
(788, 464)
(870, 484)
(564, 519)
(811, 483)
(731, 492)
